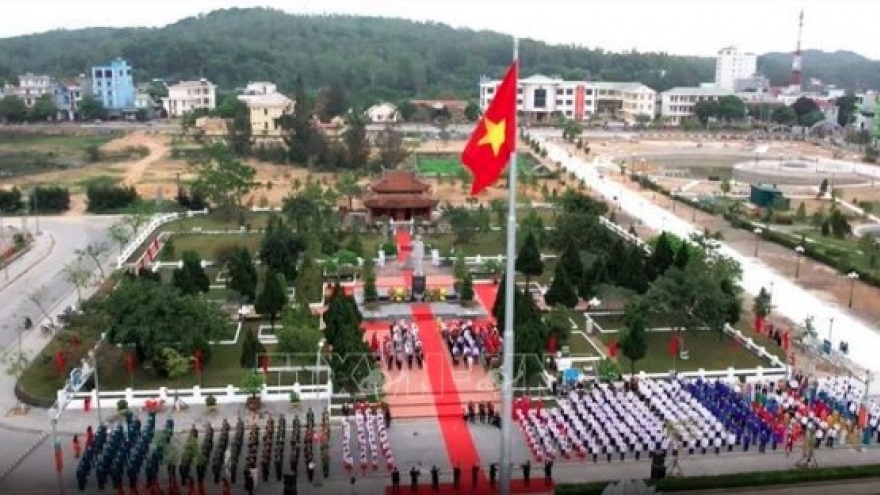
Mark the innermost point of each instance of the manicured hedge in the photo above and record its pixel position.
(829, 256)
(740, 480)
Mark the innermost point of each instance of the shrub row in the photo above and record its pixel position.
(834, 258)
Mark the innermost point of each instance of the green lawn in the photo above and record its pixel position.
(256, 221)
(707, 351)
(52, 143)
(449, 165)
(207, 245)
(579, 346)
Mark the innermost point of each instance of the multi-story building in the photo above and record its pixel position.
(866, 112)
(113, 86)
(32, 86)
(186, 96)
(541, 99)
(383, 113)
(265, 112)
(677, 104)
(256, 88)
(68, 94)
(731, 65)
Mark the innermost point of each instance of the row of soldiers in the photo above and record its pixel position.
(416, 472)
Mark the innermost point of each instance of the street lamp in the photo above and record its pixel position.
(799, 251)
(93, 356)
(853, 276)
(321, 344)
(757, 232)
(830, 329)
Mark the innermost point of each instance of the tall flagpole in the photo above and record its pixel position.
(506, 467)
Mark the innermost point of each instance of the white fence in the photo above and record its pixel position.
(158, 220)
(197, 395)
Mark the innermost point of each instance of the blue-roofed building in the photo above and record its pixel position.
(113, 85)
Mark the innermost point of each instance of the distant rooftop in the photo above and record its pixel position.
(699, 91)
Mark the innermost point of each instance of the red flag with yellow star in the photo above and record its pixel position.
(488, 150)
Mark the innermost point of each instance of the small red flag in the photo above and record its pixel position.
(673, 346)
(786, 341)
(494, 138)
(612, 349)
(60, 363)
(129, 363)
(759, 324)
(264, 363)
(552, 344)
(59, 459)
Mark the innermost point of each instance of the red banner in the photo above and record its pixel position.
(61, 363)
(579, 102)
(264, 363)
(129, 364)
(59, 458)
(612, 349)
(673, 346)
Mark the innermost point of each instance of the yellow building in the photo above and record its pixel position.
(266, 110)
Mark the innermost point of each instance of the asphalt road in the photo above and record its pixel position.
(40, 269)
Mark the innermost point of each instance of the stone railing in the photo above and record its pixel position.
(141, 238)
(197, 395)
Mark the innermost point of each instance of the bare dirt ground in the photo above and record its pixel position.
(158, 173)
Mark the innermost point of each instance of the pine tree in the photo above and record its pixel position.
(371, 293)
(243, 275)
(350, 362)
(251, 347)
(633, 342)
(191, 277)
(571, 262)
(594, 276)
(682, 256)
(561, 291)
(273, 297)
(528, 260)
(467, 290)
(634, 274)
(662, 257)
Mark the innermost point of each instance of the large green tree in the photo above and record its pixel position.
(13, 109)
(44, 109)
(221, 177)
(242, 273)
(153, 316)
(633, 342)
(273, 298)
(561, 291)
(301, 136)
(350, 361)
(357, 143)
(280, 249)
(528, 260)
(191, 278)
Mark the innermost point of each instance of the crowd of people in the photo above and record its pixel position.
(696, 416)
(401, 346)
(469, 343)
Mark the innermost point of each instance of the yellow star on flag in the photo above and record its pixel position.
(495, 135)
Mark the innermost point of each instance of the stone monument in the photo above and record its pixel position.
(419, 280)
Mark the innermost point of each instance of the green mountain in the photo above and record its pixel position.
(843, 68)
(369, 57)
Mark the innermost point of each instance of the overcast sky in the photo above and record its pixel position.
(694, 27)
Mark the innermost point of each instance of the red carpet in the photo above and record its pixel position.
(458, 440)
(483, 488)
(487, 293)
(404, 244)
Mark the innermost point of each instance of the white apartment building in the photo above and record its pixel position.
(258, 88)
(32, 86)
(382, 113)
(732, 65)
(541, 99)
(265, 112)
(186, 96)
(677, 104)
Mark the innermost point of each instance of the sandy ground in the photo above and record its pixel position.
(158, 173)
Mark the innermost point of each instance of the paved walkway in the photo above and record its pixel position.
(790, 299)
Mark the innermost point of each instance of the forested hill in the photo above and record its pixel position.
(232, 47)
(845, 69)
(371, 57)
